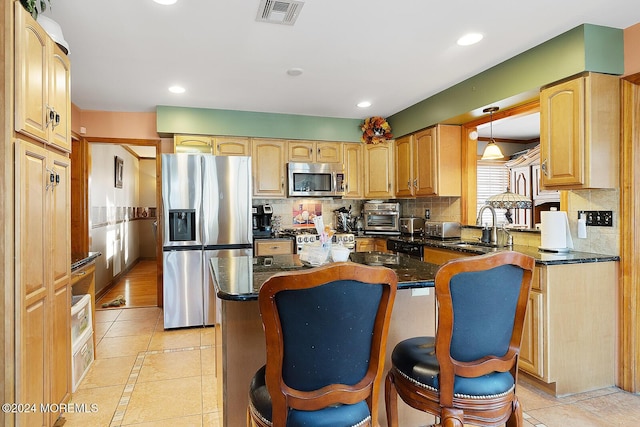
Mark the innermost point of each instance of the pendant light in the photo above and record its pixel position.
(491, 151)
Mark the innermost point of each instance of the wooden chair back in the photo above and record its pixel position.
(326, 331)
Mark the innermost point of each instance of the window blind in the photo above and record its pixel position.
(492, 178)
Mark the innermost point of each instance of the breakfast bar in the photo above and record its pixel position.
(572, 305)
(240, 343)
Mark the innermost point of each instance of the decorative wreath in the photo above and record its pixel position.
(375, 130)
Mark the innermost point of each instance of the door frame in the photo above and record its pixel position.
(629, 284)
(83, 157)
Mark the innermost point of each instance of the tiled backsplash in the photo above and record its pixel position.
(602, 240)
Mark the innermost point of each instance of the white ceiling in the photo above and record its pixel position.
(126, 53)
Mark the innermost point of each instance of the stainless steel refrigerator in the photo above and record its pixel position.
(206, 203)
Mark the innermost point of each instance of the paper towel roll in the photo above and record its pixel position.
(555, 234)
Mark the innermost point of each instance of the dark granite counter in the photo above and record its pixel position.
(81, 259)
(240, 278)
(542, 258)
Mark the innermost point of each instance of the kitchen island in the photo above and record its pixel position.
(240, 343)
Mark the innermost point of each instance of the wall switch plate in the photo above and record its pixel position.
(598, 218)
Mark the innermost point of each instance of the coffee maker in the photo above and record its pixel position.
(261, 220)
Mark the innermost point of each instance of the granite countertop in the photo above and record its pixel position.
(240, 278)
(542, 258)
(79, 260)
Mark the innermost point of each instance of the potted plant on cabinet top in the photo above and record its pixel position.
(34, 7)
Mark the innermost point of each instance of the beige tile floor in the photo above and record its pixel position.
(145, 376)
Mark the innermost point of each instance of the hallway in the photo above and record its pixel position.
(138, 287)
(146, 376)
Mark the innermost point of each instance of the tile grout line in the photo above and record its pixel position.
(125, 398)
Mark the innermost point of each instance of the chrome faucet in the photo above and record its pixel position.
(494, 228)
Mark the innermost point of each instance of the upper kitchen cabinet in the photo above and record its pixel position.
(314, 152)
(404, 181)
(429, 163)
(269, 167)
(378, 170)
(218, 145)
(353, 169)
(580, 132)
(42, 83)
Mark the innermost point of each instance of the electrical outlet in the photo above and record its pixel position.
(598, 218)
(427, 214)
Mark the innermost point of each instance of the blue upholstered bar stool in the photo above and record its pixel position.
(468, 372)
(326, 331)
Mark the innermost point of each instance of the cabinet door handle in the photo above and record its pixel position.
(543, 167)
(51, 115)
(52, 179)
(409, 185)
(56, 121)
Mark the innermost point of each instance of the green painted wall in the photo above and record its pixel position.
(202, 121)
(584, 48)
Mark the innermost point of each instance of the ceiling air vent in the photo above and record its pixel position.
(284, 12)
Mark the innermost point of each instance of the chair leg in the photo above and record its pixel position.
(515, 419)
(452, 417)
(391, 400)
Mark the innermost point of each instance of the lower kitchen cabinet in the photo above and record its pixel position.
(371, 244)
(265, 247)
(43, 271)
(568, 343)
(440, 256)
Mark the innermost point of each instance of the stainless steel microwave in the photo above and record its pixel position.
(315, 179)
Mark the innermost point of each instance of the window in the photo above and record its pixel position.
(492, 178)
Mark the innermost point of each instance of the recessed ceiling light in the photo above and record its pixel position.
(166, 2)
(364, 104)
(469, 39)
(176, 89)
(295, 71)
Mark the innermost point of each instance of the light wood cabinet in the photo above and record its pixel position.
(404, 167)
(580, 132)
(353, 169)
(440, 256)
(217, 145)
(429, 163)
(43, 249)
(569, 332)
(314, 152)
(42, 84)
(371, 244)
(378, 170)
(269, 167)
(531, 356)
(273, 247)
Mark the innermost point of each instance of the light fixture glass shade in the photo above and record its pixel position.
(492, 152)
(509, 200)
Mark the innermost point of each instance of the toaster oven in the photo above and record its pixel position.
(381, 218)
(442, 230)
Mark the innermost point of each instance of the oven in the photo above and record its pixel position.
(381, 218)
(408, 246)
